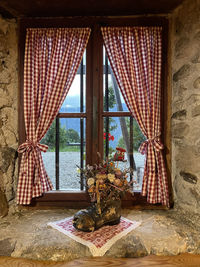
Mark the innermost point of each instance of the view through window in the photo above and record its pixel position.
(66, 137)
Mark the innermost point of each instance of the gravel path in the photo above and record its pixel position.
(69, 179)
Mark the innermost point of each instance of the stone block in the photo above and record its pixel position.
(196, 83)
(182, 73)
(183, 194)
(179, 130)
(179, 115)
(189, 177)
(179, 91)
(196, 111)
(3, 207)
(6, 247)
(193, 99)
(128, 247)
(7, 155)
(5, 100)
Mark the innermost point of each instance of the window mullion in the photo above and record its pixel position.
(106, 107)
(57, 141)
(81, 126)
(96, 58)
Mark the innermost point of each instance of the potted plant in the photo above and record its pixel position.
(106, 184)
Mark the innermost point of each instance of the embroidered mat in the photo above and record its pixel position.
(100, 240)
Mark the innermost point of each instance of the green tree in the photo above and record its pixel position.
(50, 137)
(111, 98)
(72, 136)
(111, 104)
(138, 136)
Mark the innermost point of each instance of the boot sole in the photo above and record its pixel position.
(113, 222)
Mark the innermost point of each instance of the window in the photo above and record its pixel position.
(93, 117)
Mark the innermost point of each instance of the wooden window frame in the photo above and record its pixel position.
(94, 130)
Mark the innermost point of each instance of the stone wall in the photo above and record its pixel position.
(8, 111)
(185, 44)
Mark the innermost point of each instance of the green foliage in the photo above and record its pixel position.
(111, 104)
(111, 98)
(65, 136)
(49, 138)
(138, 136)
(72, 136)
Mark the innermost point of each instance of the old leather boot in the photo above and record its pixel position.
(91, 219)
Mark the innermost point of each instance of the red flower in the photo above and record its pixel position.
(110, 137)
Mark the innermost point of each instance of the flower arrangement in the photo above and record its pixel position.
(105, 181)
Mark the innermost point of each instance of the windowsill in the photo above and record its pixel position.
(75, 199)
(26, 234)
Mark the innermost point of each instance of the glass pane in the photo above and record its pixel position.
(71, 152)
(49, 156)
(113, 99)
(118, 129)
(50, 166)
(75, 99)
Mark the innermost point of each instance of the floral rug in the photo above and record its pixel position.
(100, 240)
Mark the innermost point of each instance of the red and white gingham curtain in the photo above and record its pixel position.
(52, 57)
(135, 57)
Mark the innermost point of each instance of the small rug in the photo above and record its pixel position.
(100, 240)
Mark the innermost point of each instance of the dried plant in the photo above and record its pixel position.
(105, 181)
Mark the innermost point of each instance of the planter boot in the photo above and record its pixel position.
(91, 219)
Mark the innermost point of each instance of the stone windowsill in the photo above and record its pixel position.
(27, 235)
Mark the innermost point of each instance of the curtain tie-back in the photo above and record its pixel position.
(34, 147)
(155, 142)
(30, 146)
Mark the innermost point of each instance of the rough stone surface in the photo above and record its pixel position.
(6, 247)
(179, 115)
(182, 73)
(188, 177)
(196, 58)
(3, 204)
(180, 130)
(181, 47)
(8, 107)
(185, 43)
(7, 156)
(26, 234)
(196, 111)
(196, 83)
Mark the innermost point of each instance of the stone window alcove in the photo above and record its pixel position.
(94, 62)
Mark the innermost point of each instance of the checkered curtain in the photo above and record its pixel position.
(52, 58)
(135, 56)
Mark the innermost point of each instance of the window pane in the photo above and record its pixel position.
(113, 99)
(75, 99)
(71, 152)
(118, 129)
(49, 156)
